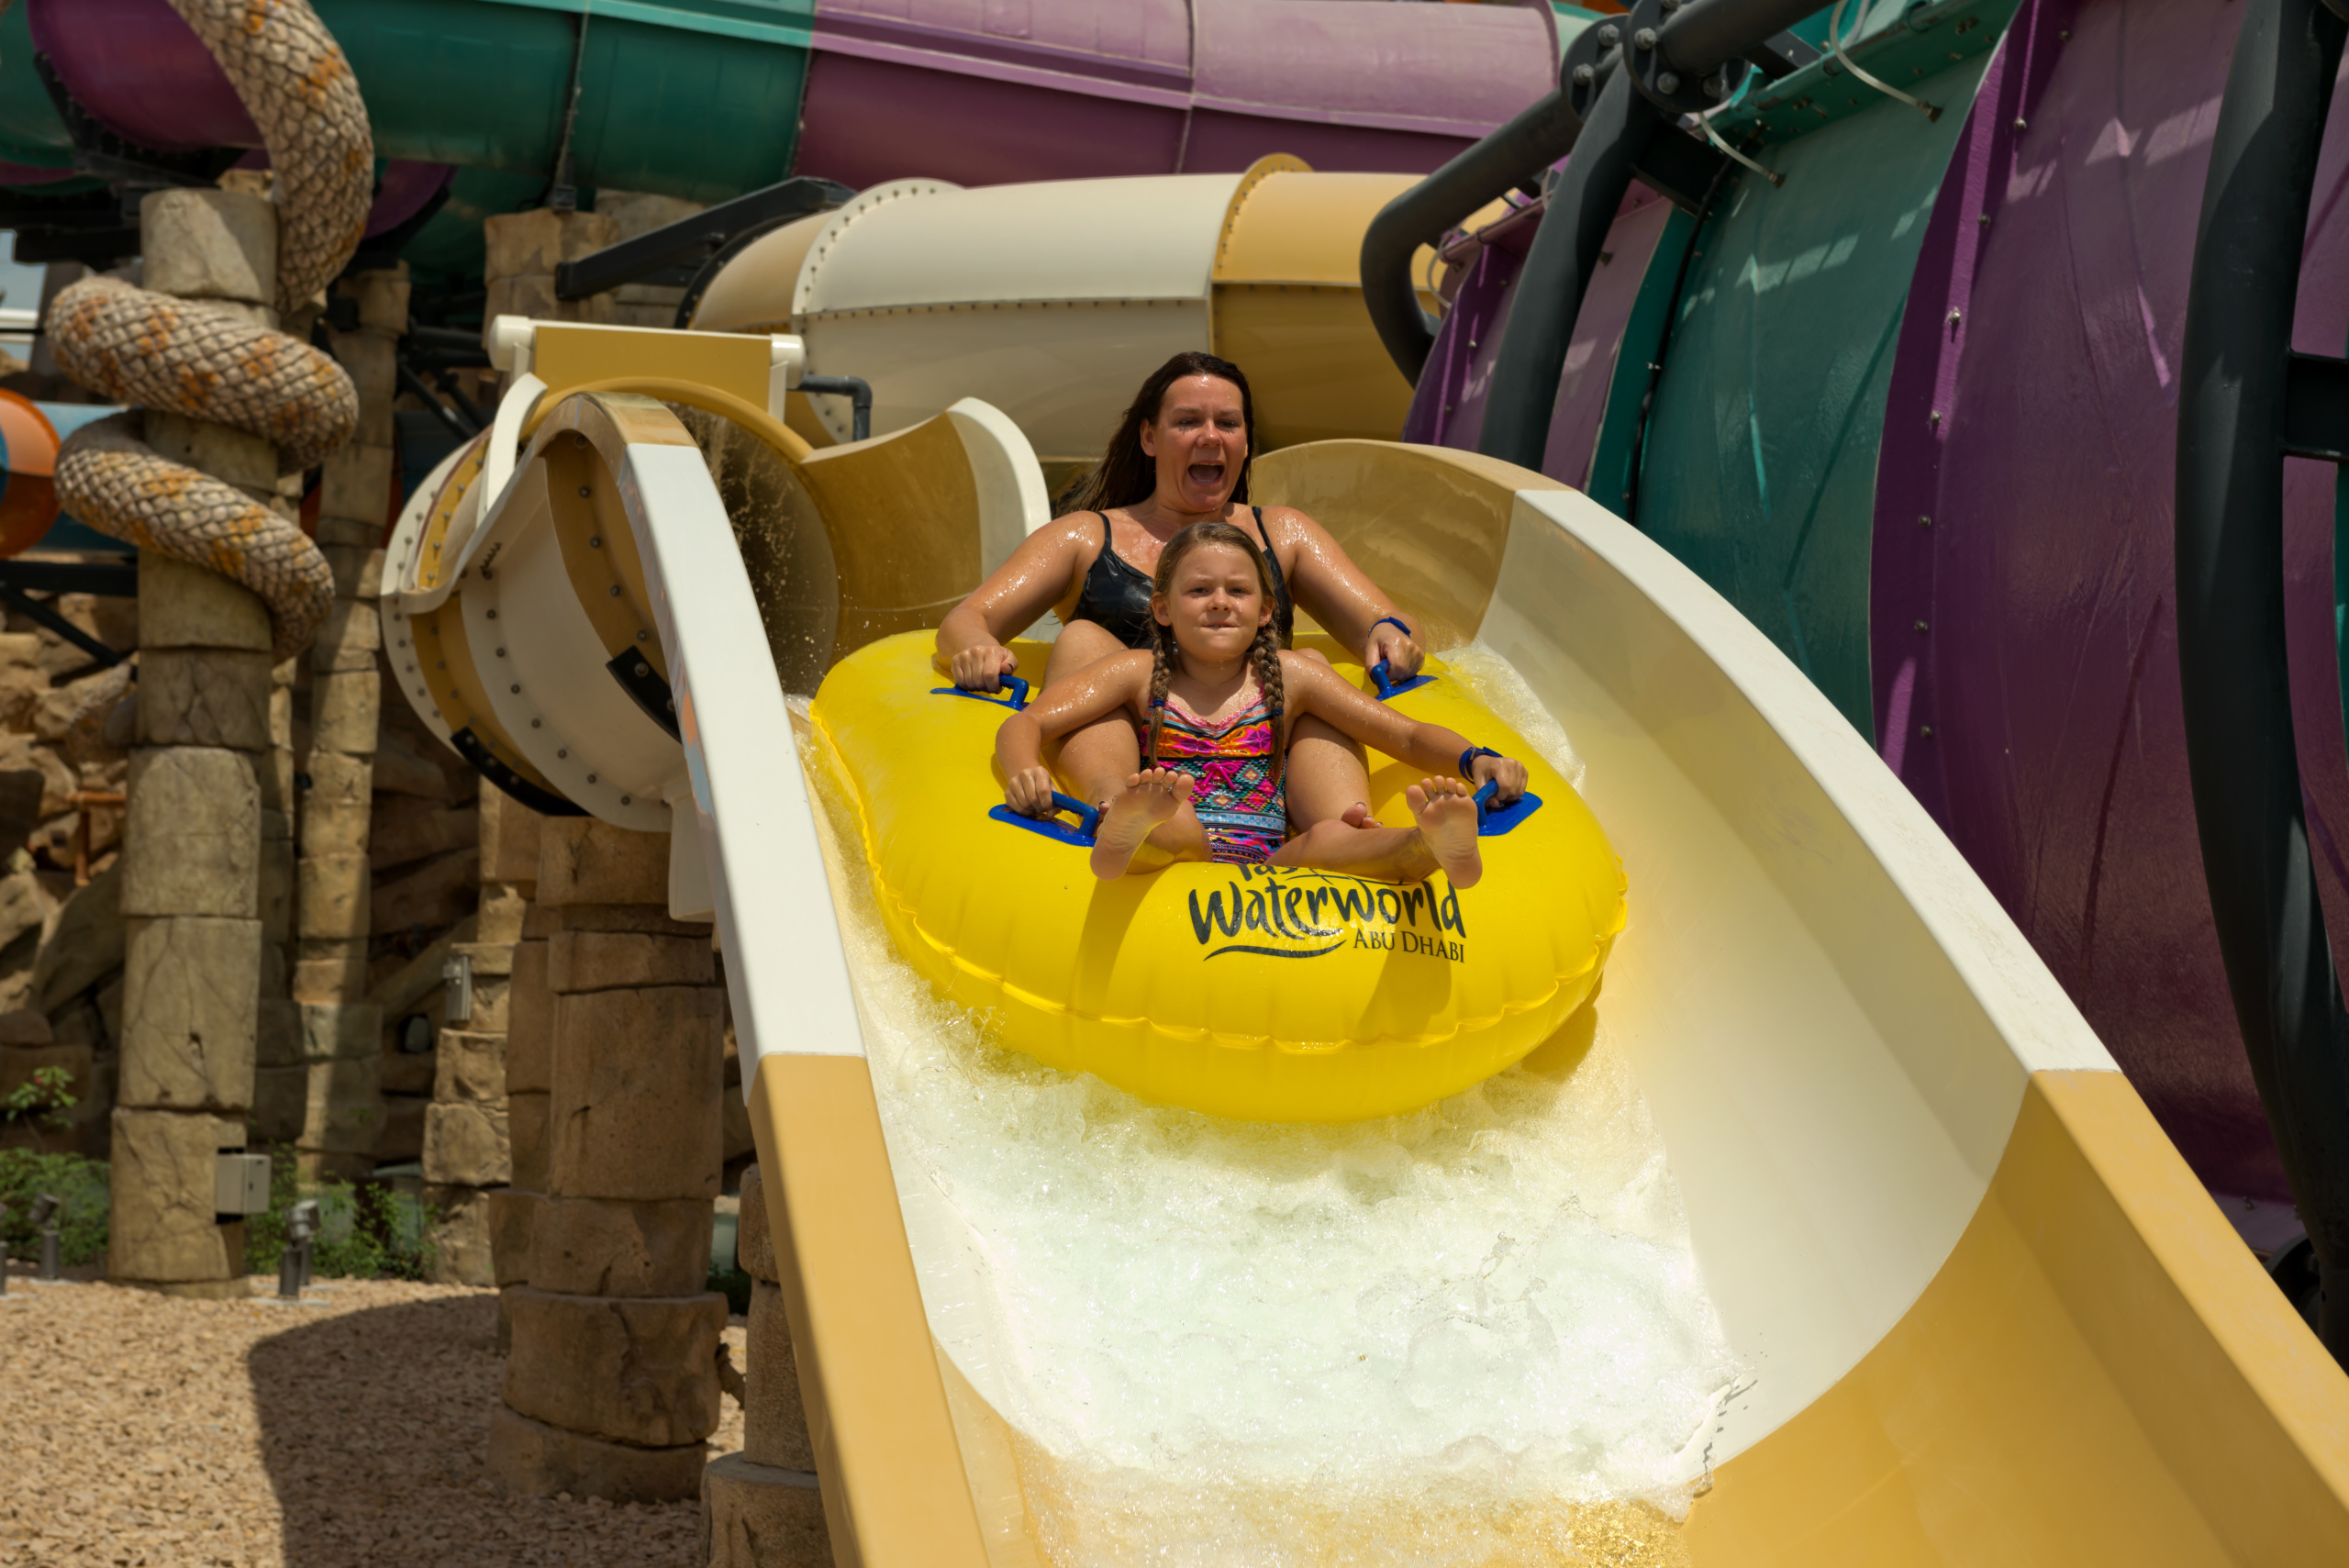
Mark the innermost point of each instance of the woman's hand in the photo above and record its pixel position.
(982, 666)
(1402, 654)
(1029, 791)
(1507, 771)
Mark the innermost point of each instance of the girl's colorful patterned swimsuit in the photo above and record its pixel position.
(1233, 789)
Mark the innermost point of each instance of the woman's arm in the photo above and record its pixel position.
(1013, 598)
(1313, 687)
(1335, 592)
(1118, 681)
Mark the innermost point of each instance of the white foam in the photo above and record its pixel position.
(1432, 1336)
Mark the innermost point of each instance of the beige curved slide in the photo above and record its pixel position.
(1984, 1312)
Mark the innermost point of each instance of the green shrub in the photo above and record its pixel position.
(372, 1231)
(45, 1097)
(80, 1187)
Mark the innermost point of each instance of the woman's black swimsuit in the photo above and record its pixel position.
(1115, 596)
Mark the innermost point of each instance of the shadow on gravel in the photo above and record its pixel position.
(374, 1429)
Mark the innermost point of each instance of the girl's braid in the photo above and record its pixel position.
(1268, 677)
(1162, 675)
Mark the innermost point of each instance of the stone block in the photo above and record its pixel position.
(350, 531)
(754, 1516)
(585, 859)
(382, 296)
(227, 453)
(23, 1027)
(193, 832)
(536, 240)
(338, 827)
(342, 1110)
(638, 1370)
(341, 1030)
(774, 1423)
(209, 244)
(191, 999)
(753, 1239)
(510, 837)
(472, 1069)
(460, 1236)
(465, 1145)
(408, 1073)
(531, 294)
(276, 890)
(358, 569)
(336, 780)
(277, 1033)
(356, 482)
(534, 1459)
(405, 830)
(330, 971)
(332, 897)
(434, 892)
(513, 1221)
(634, 1106)
(85, 943)
(491, 959)
(504, 911)
(402, 1138)
(18, 1063)
(203, 696)
(161, 1186)
(369, 358)
(281, 1103)
(529, 1021)
(619, 960)
(182, 605)
(585, 1246)
(349, 637)
(346, 710)
(526, 1119)
(652, 919)
(273, 773)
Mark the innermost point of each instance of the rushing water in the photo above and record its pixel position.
(1446, 1337)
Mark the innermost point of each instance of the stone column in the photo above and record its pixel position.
(342, 1102)
(529, 1067)
(761, 1509)
(611, 1383)
(468, 1148)
(192, 835)
(525, 248)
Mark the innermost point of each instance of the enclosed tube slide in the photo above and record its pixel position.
(1989, 1314)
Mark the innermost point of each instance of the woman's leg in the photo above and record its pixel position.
(1097, 761)
(1443, 838)
(1327, 778)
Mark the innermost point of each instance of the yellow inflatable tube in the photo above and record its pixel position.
(1265, 995)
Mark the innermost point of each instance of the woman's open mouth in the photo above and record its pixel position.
(1206, 476)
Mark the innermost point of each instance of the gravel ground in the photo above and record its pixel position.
(140, 1430)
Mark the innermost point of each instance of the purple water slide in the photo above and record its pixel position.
(2023, 511)
(982, 93)
(143, 72)
(1448, 406)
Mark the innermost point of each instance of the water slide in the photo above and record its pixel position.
(1830, 1233)
(705, 99)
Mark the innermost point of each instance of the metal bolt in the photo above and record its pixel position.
(1584, 75)
(501, 654)
(534, 724)
(1986, 220)
(2022, 124)
(1920, 626)
(560, 752)
(1956, 315)
(643, 669)
(493, 615)
(1926, 730)
(585, 493)
(1609, 36)
(1666, 83)
(591, 778)
(1935, 416)
(1924, 522)
(1716, 85)
(615, 590)
(1643, 39)
(594, 541)
(624, 800)
(516, 690)
(643, 637)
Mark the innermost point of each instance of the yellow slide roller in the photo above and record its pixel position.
(1269, 995)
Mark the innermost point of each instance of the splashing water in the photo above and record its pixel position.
(1466, 1335)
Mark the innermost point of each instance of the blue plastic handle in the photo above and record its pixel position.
(1052, 827)
(1390, 687)
(1493, 821)
(1015, 701)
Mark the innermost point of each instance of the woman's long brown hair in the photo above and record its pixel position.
(1266, 653)
(1126, 473)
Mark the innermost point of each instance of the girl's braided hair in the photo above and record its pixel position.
(1267, 649)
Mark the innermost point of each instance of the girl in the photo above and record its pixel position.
(1218, 699)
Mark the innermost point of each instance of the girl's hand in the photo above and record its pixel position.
(1508, 771)
(1029, 792)
(1402, 654)
(982, 667)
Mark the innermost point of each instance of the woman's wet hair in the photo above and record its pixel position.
(1266, 650)
(1126, 473)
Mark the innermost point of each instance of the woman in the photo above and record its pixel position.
(1180, 456)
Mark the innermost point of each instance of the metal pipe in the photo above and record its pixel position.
(1537, 137)
(1703, 33)
(1549, 290)
(2237, 698)
(856, 389)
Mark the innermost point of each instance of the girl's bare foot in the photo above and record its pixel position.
(1447, 818)
(1149, 798)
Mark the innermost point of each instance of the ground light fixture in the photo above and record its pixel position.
(44, 1218)
(293, 1262)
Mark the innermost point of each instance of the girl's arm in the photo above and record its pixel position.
(1335, 592)
(1013, 598)
(1099, 690)
(1313, 687)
